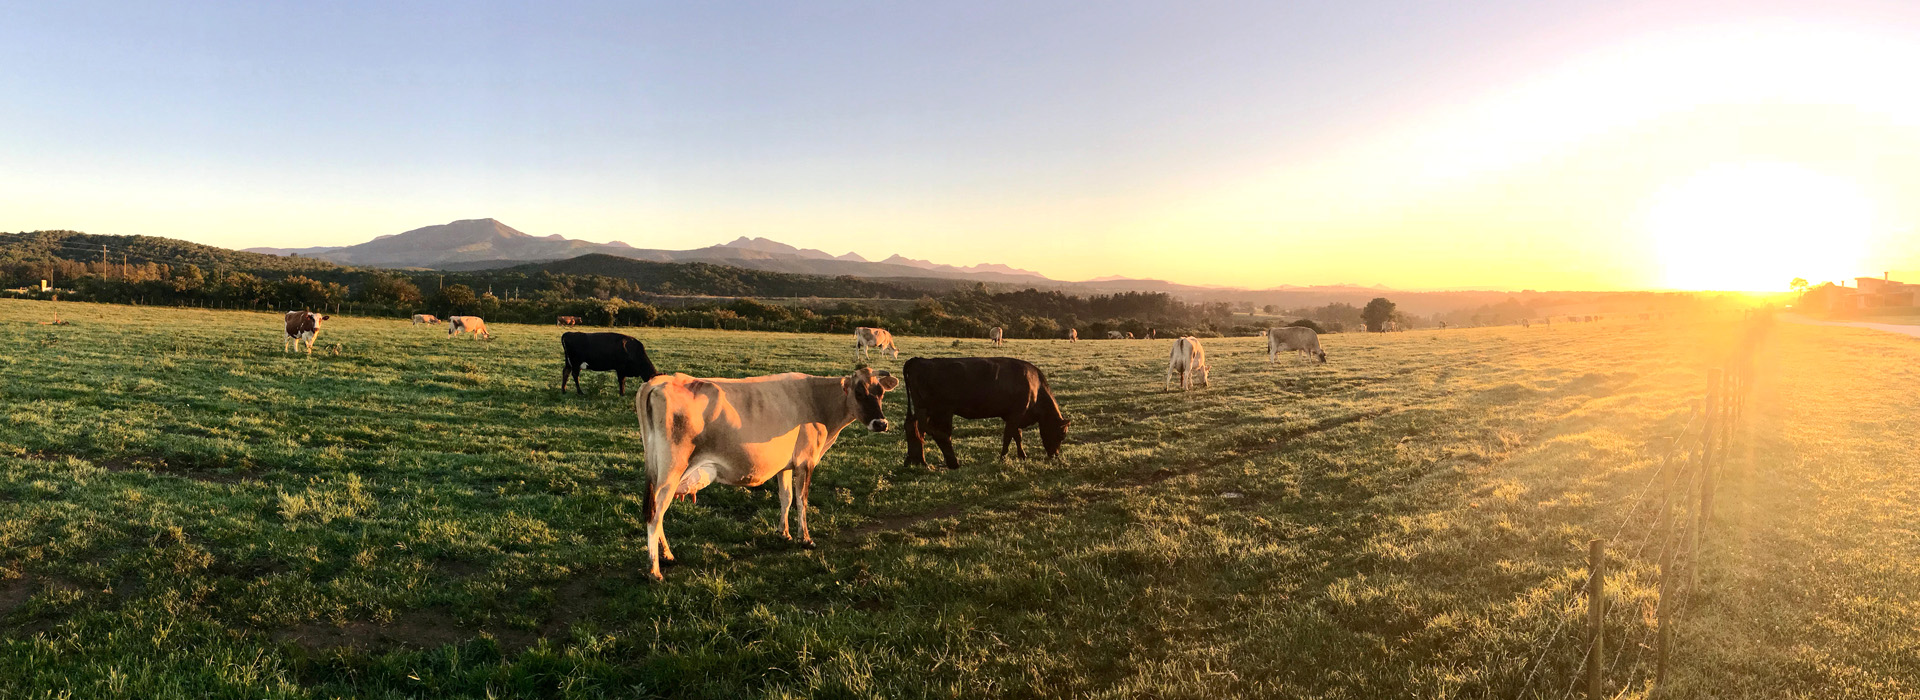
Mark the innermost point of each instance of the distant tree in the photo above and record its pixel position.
(1377, 313)
(392, 290)
(1308, 323)
(1799, 284)
(1272, 309)
(456, 299)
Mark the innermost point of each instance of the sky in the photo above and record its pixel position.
(1420, 145)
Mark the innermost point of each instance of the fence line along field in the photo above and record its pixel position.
(187, 511)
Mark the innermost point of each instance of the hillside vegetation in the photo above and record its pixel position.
(187, 512)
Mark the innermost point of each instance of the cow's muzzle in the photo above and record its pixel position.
(878, 425)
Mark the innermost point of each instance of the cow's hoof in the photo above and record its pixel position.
(806, 544)
(656, 577)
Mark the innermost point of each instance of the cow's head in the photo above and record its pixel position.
(865, 387)
(1322, 354)
(1204, 371)
(1052, 435)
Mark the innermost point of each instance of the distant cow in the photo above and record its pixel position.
(1073, 335)
(620, 354)
(302, 327)
(1012, 390)
(1295, 338)
(1187, 360)
(1152, 333)
(743, 432)
(876, 338)
(568, 321)
(467, 324)
(997, 335)
(1115, 335)
(428, 319)
(1129, 335)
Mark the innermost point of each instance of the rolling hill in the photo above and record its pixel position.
(482, 244)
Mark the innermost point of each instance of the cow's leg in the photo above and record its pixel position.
(656, 525)
(806, 481)
(916, 443)
(940, 428)
(1010, 437)
(623, 382)
(786, 501)
(1019, 446)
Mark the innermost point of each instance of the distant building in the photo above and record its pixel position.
(1867, 293)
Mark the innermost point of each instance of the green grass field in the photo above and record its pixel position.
(187, 512)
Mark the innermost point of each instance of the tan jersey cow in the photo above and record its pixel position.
(1295, 338)
(997, 335)
(428, 319)
(876, 338)
(302, 327)
(468, 324)
(1187, 361)
(744, 432)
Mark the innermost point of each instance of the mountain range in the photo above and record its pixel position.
(481, 244)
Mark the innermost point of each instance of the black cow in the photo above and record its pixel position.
(604, 352)
(1012, 390)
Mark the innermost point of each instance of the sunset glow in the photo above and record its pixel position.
(1603, 159)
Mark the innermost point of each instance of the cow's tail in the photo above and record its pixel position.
(649, 405)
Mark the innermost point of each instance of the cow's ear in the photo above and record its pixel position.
(889, 382)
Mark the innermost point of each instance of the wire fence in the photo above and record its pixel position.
(1607, 647)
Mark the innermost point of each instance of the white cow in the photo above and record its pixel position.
(1296, 338)
(998, 336)
(744, 432)
(1115, 335)
(1187, 360)
(467, 324)
(876, 338)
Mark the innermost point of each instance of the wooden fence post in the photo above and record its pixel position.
(1596, 615)
(1664, 606)
(1707, 436)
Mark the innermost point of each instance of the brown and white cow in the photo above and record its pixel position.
(428, 319)
(1073, 335)
(1187, 360)
(568, 321)
(467, 324)
(302, 327)
(744, 432)
(876, 338)
(998, 336)
(1295, 338)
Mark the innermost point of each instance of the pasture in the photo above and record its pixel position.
(187, 512)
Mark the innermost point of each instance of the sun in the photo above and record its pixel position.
(1756, 226)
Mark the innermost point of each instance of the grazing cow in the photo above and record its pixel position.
(1115, 335)
(428, 319)
(1012, 390)
(569, 321)
(1152, 333)
(620, 354)
(744, 432)
(876, 338)
(1524, 323)
(998, 336)
(1188, 359)
(1129, 335)
(302, 327)
(467, 324)
(1073, 335)
(1296, 338)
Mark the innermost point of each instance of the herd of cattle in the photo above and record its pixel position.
(744, 432)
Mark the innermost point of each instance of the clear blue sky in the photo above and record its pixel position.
(1029, 133)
